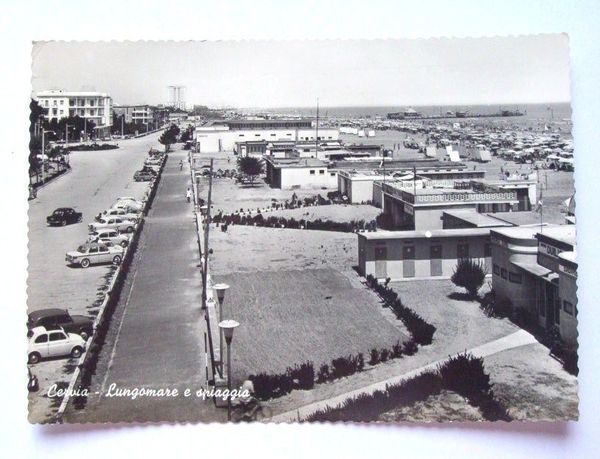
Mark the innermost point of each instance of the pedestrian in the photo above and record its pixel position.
(188, 194)
(180, 164)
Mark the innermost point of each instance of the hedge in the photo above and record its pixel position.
(463, 374)
(421, 331)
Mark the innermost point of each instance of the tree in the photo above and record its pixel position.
(169, 137)
(250, 166)
(470, 275)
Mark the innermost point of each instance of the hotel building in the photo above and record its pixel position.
(93, 106)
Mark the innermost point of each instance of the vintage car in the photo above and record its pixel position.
(64, 215)
(120, 224)
(54, 317)
(127, 202)
(124, 213)
(144, 176)
(109, 237)
(94, 253)
(53, 342)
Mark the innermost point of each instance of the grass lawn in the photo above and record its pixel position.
(460, 324)
(532, 385)
(304, 303)
(334, 212)
(249, 248)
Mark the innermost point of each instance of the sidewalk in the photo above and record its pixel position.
(520, 338)
(158, 341)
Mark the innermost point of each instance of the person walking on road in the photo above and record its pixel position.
(188, 194)
(181, 164)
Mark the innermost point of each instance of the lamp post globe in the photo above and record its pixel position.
(220, 289)
(228, 326)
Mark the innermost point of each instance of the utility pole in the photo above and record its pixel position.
(317, 132)
(67, 135)
(122, 120)
(43, 155)
(205, 270)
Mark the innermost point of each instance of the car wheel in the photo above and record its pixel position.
(124, 244)
(130, 229)
(76, 352)
(79, 219)
(84, 334)
(117, 259)
(63, 223)
(85, 263)
(34, 357)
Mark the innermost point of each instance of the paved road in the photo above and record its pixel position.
(156, 336)
(96, 179)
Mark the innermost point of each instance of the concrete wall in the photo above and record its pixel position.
(394, 265)
(300, 177)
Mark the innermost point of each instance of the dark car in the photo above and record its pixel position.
(54, 317)
(143, 176)
(63, 216)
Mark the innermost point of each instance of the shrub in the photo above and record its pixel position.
(304, 374)
(323, 375)
(374, 360)
(469, 274)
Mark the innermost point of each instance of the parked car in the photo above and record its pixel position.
(94, 253)
(118, 223)
(109, 238)
(63, 216)
(123, 213)
(53, 342)
(54, 317)
(127, 203)
(143, 176)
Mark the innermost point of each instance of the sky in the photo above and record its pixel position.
(465, 71)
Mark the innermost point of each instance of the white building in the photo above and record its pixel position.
(93, 106)
(224, 135)
(299, 173)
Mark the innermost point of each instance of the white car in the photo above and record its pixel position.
(109, 237)
(94, 253)
(126, 213)
(128, 203)
(120, 224)
(53, 342)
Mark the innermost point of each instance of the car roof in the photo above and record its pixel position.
(62, 209)
(93, 244)
(34, 315)
(41, 329)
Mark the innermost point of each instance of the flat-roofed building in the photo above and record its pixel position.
(470, 218)
(534, 272)
(223, 135)
(403, 255)
(423, 209)
(93, 106)
(294, 173)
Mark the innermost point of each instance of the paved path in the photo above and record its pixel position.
(517, 339)
(157, 341)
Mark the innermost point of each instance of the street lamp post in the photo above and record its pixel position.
(220, 289)
(228, 326)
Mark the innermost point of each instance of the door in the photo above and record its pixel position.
(58, 344)
(408, 261)
(380, 262)
(93, 254)
(550, 302)
(435, 258)
(41, 344)
(104, 255)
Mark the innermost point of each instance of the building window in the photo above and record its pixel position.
(62, 102)
(517, 278)
(241, 135)
(62, 112)
(503, 273)
(568, 307)
(312, 172)
(463, 251)
(332, 174)
(496, 270)
(321, 171)
(54, 103)
(45, 103)
(54, 111)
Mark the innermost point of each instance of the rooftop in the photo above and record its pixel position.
(295, 162)
(519, 218)
(61, 93)
(478, 219)
(561, 233)
(437, 233)
(524, 232)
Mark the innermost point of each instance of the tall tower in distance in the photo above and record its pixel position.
(177, 96)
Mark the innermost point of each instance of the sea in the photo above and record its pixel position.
(546, 111)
